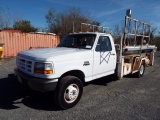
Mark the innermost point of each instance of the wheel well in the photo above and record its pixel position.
(76, 73)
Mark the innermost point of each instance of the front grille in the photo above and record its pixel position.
(25, 65)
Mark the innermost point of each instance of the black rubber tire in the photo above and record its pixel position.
(140, 73)
(65, 82)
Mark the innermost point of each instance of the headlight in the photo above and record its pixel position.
(43, 68)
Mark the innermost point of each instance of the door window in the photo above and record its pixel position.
(104, 44)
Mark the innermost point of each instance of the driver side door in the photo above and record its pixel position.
(104, 58)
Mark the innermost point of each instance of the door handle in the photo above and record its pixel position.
(112, 54)
(86, 63)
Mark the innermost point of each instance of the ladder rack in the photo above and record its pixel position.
(135, 31)
(95, 28)
(136, 35)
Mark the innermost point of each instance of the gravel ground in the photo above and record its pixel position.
(105, 98)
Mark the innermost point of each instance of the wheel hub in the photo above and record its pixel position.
(71, 93)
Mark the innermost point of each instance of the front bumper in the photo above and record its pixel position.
(39, 84)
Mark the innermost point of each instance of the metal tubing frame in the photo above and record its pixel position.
(93, 27)
(135, 30)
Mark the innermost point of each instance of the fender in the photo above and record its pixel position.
(137, 63)
(64, 67)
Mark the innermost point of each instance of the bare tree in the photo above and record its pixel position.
(1, 18)
(16, 17)
(67, 21)
(50, 19)
(118, 29)
(5, 19)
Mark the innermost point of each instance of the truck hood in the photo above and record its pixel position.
(54, 54)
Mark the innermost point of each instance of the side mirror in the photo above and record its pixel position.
(98, 47)
(117, 46)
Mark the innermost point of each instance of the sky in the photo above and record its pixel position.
(107, 12)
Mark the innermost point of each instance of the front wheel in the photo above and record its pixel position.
(141, 70)
(68, 92)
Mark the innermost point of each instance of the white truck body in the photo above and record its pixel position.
(85, 63)
(68, 59)
(81, 57)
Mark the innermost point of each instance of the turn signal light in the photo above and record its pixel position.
(44, 71)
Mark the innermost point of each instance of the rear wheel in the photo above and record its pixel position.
(141, 70)
(68, 92)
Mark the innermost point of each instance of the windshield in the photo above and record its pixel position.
(82, 41)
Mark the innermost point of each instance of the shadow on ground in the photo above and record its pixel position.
(13, 95)
(9, 91)
(104, 80)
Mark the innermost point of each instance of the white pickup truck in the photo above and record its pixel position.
(80, 57)
(76, 59)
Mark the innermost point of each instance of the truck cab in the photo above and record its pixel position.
(98, 53)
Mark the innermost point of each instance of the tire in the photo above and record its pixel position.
(141, 71)
(68, 92)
